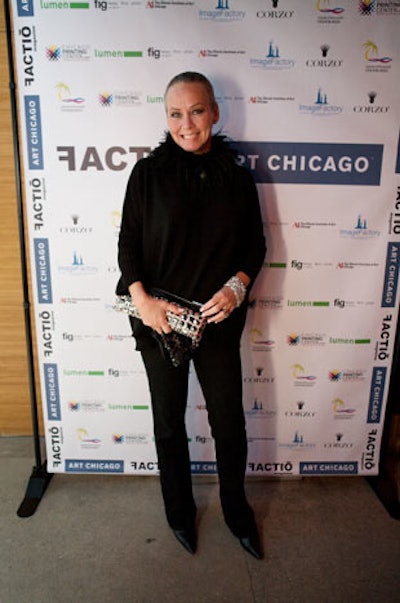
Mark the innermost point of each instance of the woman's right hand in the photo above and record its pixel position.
(153, 311)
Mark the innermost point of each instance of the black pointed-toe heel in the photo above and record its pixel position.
(251, 544)
(187, 538)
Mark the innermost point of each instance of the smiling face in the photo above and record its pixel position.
(190, 116)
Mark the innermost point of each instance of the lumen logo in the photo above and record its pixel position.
(63, 5)
(116, 54)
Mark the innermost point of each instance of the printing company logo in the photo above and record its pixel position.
(272, 302)
(321, 106)
(75, 227)
(327, 13)
(272, 60)
(366, 7)
(324, 61)
(90, 406)
(68, 52)
(306, 339)
(374, 62)
(130, 439)
(371, 108)
(346, 375)
(259, 343)
(260, 410)
(341, 410)
(85, 440)
(298, 443)
(120, 98)
(379, 7)
(340, 443)
(67, 101)
(107, 53)
(78, 267)
(360, 231)
(300, 225)
(300, 412)
(25, 8)
(223, 12)
(300, 378)
(62, 5)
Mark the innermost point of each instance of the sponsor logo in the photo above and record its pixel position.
(312, 163)
(76, 406)
(259, 343)
(215, 54)
(86, 440)
(374, 62)
(353, 265)
(300, 412)
(258, 410)
(79, 300)
(50, 373)
(324, 61)
(168, 3)
(298, 303)
(130, 439)
(346, 375)
(376, 394)
(339, 443)
(371, 108)
(349, 341)
(222, 12)
(116, 54)
(43, 274)
(76, 228)
(299, 225)
(341, 303)
(360, 231)
(275, 14)
(301, 378)
(379, 7)
(273, 60)
(94, 466)
(273, 302)
(340, 410)
(327, 468)
(329, 14)
(321, 106)
(78, 267)
(120, 98)
(67, 101)
(68, 52)
(298, 443)
(62, 5)
(127, 407)
(390, 283)
(306, 339)
(33, 132)
(259, 377)
(82, 373)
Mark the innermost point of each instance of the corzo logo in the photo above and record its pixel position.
(324, 61)
(371, 107)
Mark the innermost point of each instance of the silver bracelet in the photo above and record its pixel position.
(238, 287)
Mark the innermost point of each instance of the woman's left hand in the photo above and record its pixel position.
(220, 306)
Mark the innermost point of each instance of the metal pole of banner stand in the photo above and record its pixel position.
(40, 478)
(386, 484)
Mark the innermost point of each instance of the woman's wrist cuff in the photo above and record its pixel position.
(238, 287)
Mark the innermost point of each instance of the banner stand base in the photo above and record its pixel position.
(37, 485)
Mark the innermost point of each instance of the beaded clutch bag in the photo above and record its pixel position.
(187, 327)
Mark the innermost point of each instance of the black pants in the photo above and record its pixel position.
(220, 377)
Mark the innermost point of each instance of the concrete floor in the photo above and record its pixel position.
(104, 539)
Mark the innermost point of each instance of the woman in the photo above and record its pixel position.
(191, 225)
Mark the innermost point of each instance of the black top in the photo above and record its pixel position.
(189, 222)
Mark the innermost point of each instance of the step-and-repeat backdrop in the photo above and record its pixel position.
(309, 90)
